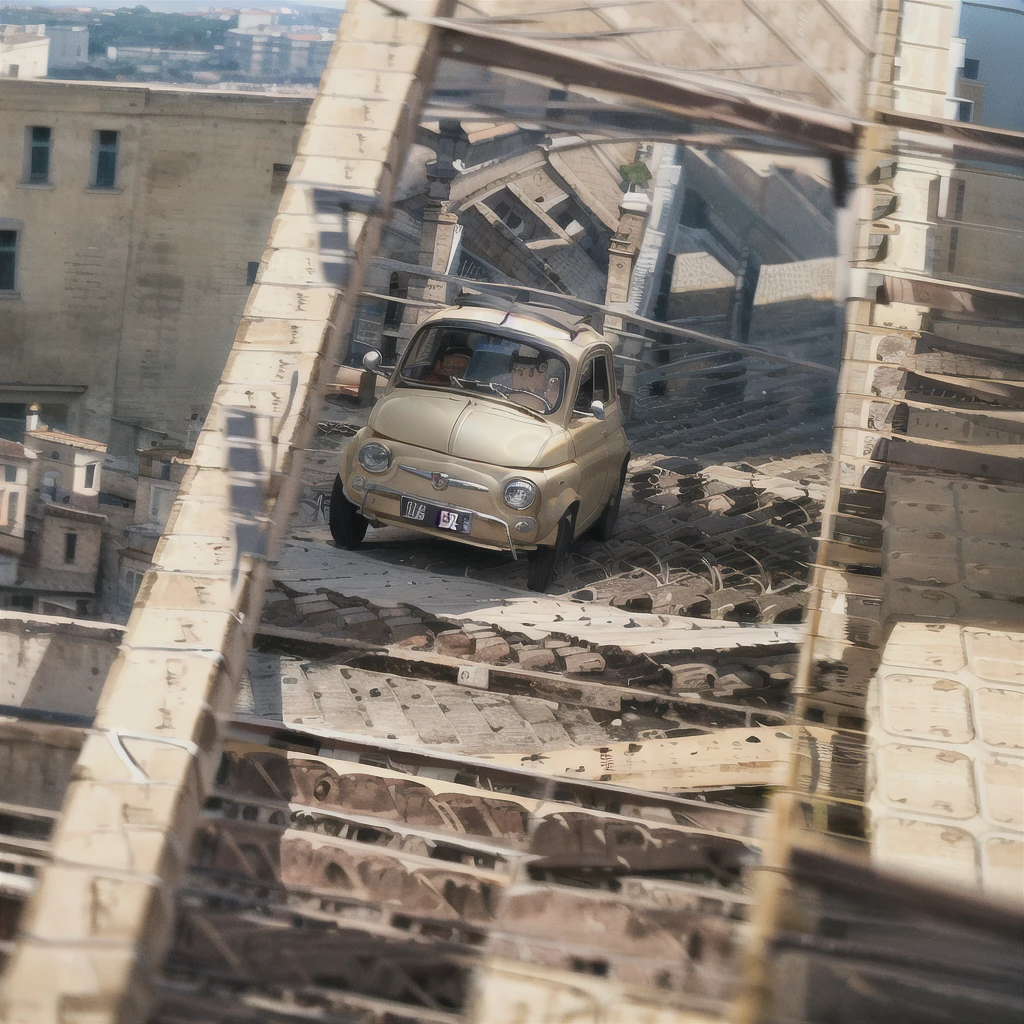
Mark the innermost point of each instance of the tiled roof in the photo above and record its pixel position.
(57, 581)
(61, 437)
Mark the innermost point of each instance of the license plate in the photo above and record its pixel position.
(433, 515)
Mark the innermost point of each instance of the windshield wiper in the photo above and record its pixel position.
(504, 392)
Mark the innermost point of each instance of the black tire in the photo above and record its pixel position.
(545, 562)
(604, 528)
(348, 527)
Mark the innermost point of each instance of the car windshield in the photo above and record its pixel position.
(464, 359)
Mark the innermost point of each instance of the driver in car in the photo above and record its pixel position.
(452, 363)
(538, 376)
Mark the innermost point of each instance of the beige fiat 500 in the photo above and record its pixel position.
(499, 428)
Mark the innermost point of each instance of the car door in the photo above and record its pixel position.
(590, 438)
(615, 438)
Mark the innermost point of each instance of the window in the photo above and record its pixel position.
(251, 269)
(279, 178)
(70, 546)
(965, 111)
(38, 170)
(12, 421)
(960, 190)
(160, 501)
(971, 68)
(601, 392)
(49, 488)
(954, 238)
(8, 257)
(12, 70)
(22, 604)
(105, 175)
(12, 508)
(90, 475)
(10, 474)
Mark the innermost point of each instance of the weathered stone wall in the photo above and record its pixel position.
(135, 292)
(54, 664)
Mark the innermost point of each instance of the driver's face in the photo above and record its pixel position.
(454, 364)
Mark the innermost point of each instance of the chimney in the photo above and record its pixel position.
(32, 419)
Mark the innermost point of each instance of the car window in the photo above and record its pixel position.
(585, 394)
(458, 358)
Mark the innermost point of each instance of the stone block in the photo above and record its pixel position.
(489, 648)
(929, 780)
(926, 707)
(454, 643)
(1002, 789)
(537, 659)
(1002, 867)
(996, 656)
(942, 853)
(929, 645)
(691, 677)
(581, 661)
(1001, 718)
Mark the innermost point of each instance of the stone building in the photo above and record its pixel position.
(52, 538)
(160, 474)
(69, 45)
(132, 222)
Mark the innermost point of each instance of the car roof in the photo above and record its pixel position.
(566, 331)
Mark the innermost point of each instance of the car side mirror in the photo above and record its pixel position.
(597, 409)
(371, 361)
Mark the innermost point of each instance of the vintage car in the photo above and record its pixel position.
(500, 427)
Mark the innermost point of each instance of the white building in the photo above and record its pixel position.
(24, 51)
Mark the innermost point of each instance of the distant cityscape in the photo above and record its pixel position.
(183, 44)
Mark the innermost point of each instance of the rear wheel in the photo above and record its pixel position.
(604, 528)
(545, 562)
(348, 527)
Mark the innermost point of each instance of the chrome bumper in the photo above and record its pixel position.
(392, 493)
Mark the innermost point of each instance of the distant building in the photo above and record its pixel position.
(132, 221)
(24, 51)
(278, 53)
(69, 45)
(256, 19)
(160, 474)
(50, 542)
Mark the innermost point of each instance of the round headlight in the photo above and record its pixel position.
(519, 494)
(374, 458)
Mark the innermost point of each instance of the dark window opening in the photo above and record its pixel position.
(70, 547)
(8, 255)
(12, 509)
(12, 421)
(958, 202)
(971, 68)
(251, 269)
(954, 238)
(965, 111)
(10, 474)
(106, 159)
(279, 178)
(695, 210)
(90, 475)
(39, 155)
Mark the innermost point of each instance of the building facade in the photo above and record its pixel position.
(132, 221)
(24, 51)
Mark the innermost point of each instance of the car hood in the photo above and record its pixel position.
(468, 428)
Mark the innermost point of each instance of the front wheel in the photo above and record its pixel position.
(348, 527)
(545, 562)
